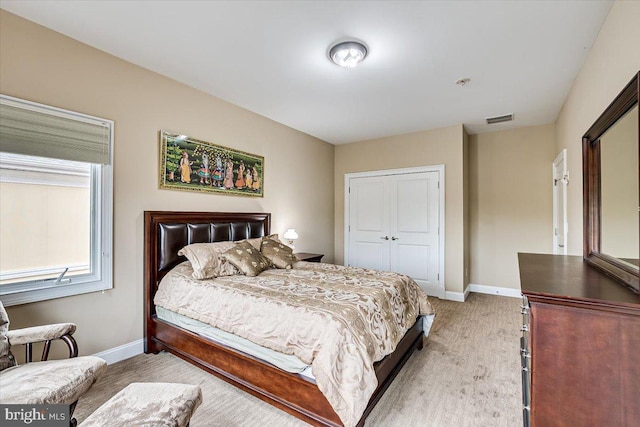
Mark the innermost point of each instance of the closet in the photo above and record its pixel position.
(394, 222)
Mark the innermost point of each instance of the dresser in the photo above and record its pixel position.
(580, 345)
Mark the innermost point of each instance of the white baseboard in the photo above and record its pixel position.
(494, 290)
(122, 352)
(455, 296)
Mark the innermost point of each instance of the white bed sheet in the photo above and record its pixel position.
(288, 363)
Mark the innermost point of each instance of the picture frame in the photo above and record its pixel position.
(190, 164)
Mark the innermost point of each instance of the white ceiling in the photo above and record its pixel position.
(270, 57)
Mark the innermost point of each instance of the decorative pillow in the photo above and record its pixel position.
(205, 259)
(226, 268)
(6, 358)
(278, 253)
(246, 258)
(257, 241)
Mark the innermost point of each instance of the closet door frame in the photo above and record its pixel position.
(432, 168)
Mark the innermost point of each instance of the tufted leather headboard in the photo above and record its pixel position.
(172, 237)
(166, 232)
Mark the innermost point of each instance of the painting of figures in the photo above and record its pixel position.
(191, 164)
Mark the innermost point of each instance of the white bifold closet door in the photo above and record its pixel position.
(394, 222)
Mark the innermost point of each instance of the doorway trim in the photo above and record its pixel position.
(402, 171)
(561, 157)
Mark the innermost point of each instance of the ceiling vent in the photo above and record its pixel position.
(499, 119)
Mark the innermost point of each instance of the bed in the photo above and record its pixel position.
(296, 393)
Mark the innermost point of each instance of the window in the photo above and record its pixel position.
(56, 192)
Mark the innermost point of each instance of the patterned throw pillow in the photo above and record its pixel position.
(205, 259)
(6, 358)
(278, 253)
(257, 241)
(246, 258)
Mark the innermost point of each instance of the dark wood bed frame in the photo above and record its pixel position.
(164, 234)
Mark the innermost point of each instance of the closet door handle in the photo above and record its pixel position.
(385, 238)
(395, 238)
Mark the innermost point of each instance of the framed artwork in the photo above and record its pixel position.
(193, 165)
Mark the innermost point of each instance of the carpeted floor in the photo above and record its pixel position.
(468, 374)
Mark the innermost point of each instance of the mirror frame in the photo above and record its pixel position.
(591, 180)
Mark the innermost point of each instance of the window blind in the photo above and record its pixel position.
(39, 130)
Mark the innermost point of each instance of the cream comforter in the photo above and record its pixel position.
(340, 320)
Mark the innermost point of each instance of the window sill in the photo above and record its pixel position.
(53, 292)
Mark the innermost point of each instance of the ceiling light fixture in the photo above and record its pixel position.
(348, 54)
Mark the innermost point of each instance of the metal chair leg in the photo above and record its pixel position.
(45, 350)
(72, 344)
(68, 340)
(28, 349)
(73, 352)
(72, 422)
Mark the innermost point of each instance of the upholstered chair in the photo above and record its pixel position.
(47, 381)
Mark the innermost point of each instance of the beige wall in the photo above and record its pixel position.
(511, 201)
(612, 62)
(432, 147)
(43, 66)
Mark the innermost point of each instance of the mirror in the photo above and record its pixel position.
(611, 189)
(619, 201)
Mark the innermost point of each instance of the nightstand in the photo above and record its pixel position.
(304, 256)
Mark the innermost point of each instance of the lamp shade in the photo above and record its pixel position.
(290, 234)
